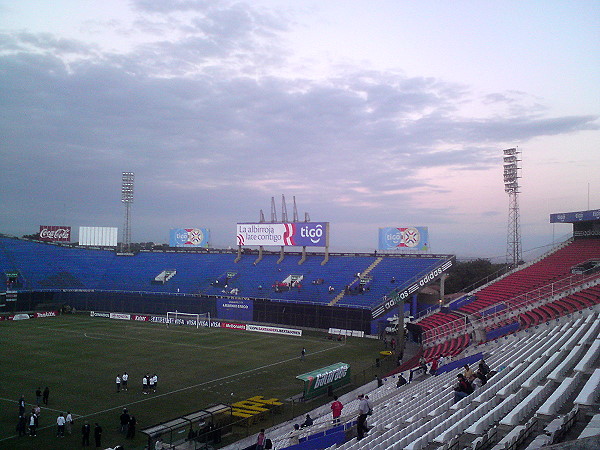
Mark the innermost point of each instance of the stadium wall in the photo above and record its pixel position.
(261, 310)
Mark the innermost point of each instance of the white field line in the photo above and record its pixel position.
(33, 404)
(194, 386)
(104, 336)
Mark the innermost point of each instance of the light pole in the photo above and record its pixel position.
(127, 199)
(511, 187)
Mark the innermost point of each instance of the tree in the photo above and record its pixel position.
(466, 275)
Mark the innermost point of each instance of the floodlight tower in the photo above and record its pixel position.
(511, 187)
(127, 199)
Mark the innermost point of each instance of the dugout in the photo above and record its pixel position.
(200, 428)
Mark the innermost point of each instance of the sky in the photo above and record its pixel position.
(370, 113)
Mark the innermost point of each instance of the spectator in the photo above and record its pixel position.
(308, 422)
(336, 410)
(441, 360)
(363, 411)
(462, 388)
(484, 368)
(260, 440)
(401, 380)
(468, 373)
(434, 367)
(480, 377)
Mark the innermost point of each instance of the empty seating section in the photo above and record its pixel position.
(550, 269)
(440, 325)
(390, 274)
(449, 347)
(554, 267)
(46, 266)
(566, 305)
(520, 397)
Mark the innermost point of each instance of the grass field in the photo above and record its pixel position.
(78, 358)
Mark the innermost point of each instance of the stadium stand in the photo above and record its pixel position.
(536, 293)
(522, 397)
(47, 266)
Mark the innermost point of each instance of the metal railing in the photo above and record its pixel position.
(513, 307)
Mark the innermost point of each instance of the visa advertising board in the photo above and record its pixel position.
(189, 237)
(412, 238)
(55, 233)
(309, 234)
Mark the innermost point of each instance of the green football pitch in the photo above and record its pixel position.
(79, 357)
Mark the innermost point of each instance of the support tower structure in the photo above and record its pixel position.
(511, 187)
(127, 199)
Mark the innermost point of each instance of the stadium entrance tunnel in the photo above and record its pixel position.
(206, 426)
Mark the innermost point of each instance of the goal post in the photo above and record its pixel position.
(182, 318)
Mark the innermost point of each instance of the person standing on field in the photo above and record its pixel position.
(69, 422)
(98, 435)
(85, 434)
(21, 405)
(60, 425)
(124, 379)
(33, 423)
(118, 381)
(46, 395)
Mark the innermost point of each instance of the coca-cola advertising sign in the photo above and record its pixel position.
(55, 233)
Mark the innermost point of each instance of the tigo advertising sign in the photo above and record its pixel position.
(309, 234)
(415, 238)
(189, 237)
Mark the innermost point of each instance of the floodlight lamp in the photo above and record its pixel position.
(127, 187)
(511, 151)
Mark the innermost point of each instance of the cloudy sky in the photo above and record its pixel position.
(372, 113)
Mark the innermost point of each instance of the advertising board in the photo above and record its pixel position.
(318, 381)
(577, 216)
(415, 238)
(189, 237)
(98, 236)
(55, 233)
(309, 234)
(418, 283)
(234, 309)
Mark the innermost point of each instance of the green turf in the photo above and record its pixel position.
(78, 358)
